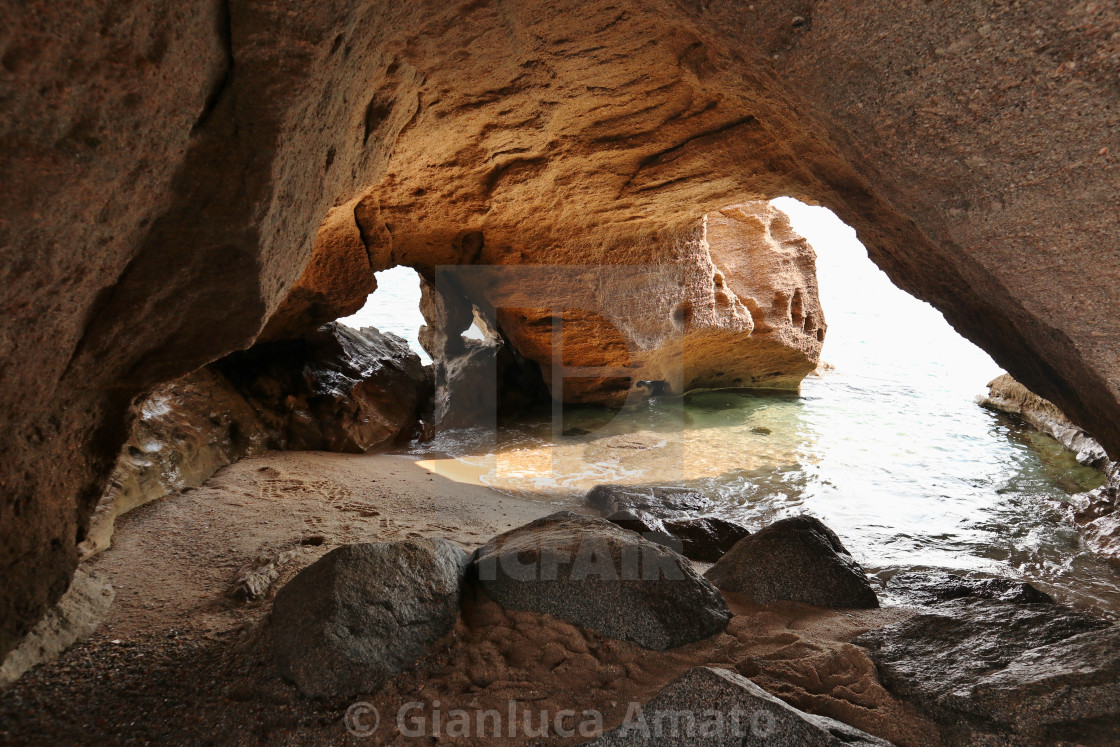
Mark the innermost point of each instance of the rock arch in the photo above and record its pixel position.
(165, 168)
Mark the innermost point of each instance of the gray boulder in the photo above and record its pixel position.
(708, 707)
(933, 587)
(936, 659)
(798, 559)
(363, 613)
(594, 574)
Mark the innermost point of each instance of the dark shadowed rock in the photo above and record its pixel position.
(362, 613)
(594, 574)
(647, 525)
(933, 587)
(708, 707)
(706, 538)
(335, 389)
(662, 502)
(798, 559)
(933, 658)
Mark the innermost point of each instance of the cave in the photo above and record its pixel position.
(191, 195)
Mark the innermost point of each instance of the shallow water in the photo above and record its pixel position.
(888, 448)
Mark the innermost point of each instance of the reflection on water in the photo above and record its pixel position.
(888, 448)
(904, 486)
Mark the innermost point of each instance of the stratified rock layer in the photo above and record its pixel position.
(165, 167)
(1009, 396)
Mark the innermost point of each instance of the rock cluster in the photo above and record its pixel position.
(1097, 515)
(1096, 512)
(335, 389)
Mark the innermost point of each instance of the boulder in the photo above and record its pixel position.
(933, 587)
(363, 613)
(709, 707)
(704, 538)
(659, 501)
(589, 572)
(798, 559)
(71, 620)
(933, 658)
(335, 389)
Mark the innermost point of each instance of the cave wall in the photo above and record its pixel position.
(165, 167)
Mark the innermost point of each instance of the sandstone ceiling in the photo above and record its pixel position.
(165, 167)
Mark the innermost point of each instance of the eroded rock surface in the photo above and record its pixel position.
(166, 167)
(798, 559)
(966, 648)
(362, 613)
(184, 432)
(1069, 690)
(709, 707)
(74, 618)
(1009, 396)
(590, 572)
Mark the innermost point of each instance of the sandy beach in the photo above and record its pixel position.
(180, 658)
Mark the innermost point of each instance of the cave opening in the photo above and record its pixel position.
(883, 438)
(395, 307)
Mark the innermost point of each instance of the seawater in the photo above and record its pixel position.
(886, 445)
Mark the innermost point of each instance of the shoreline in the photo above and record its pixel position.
(190, 663)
